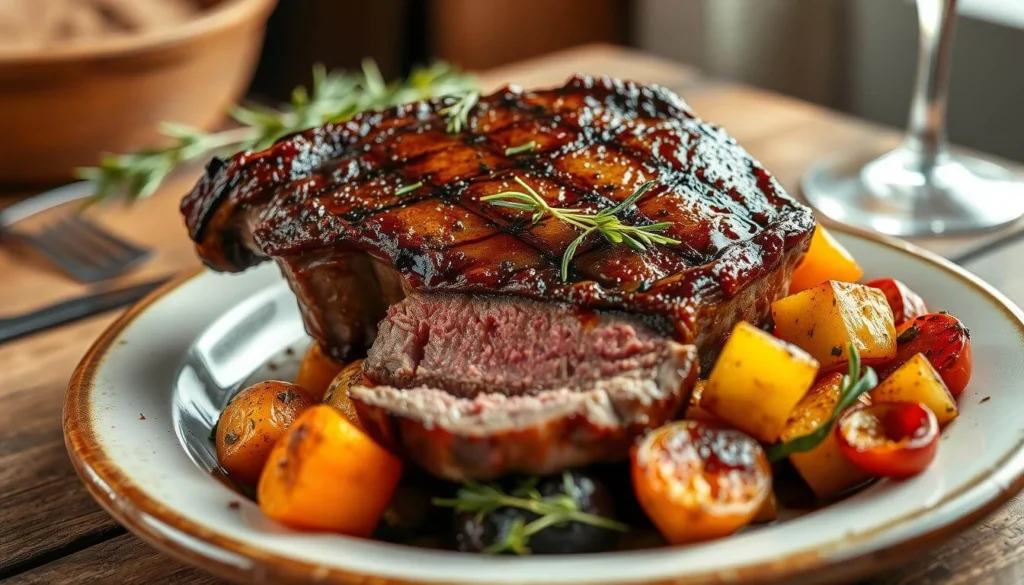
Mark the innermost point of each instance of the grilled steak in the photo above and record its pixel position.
(479, 387)
(388, 205)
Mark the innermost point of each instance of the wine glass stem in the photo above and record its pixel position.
(927, 128)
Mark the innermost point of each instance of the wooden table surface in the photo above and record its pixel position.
(52, 532)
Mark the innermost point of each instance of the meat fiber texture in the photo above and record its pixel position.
(477, 387)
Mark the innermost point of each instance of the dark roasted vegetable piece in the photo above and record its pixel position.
(506, 529)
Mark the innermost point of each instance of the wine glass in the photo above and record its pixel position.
(921, 187)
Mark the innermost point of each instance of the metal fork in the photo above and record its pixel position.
(77, 245)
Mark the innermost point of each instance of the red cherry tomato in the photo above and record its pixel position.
(892, 439)
(905, 303)
(943, 339)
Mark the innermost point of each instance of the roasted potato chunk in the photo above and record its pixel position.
(824, 468)
(337, 392)
(252, 422)
(757, 381)
(825, 319)
(316, 370)
(325, 474)
(917, 381)
(826, 259)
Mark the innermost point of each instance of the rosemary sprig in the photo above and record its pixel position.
(333, 97)
(554, 510)
(512, 150)
(857, 381)
(408, 188)
(606, 222)
(458, 113)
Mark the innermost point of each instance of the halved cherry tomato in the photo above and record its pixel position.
(892, 439)
(943, 339)
(697, 480)
(905, 303)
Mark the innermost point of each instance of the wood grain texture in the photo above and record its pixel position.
(124, 560)
(54, 533)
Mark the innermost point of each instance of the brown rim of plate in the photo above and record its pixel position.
(209, 21)
(184, 539)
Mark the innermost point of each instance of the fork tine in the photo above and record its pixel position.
(99, 233)
(58, 256)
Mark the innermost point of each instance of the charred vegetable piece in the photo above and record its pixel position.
(316, 371)
(905, 303)
(757, 381)
(252, 422)
(560, 514)
(325, 474)
(896, 439)
(917, 381)
(825, 319)
(944, 340)
(337, 392)
(697, 481)
(824, 468)
(826, 259)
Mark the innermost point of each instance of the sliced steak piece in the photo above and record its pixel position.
(476, 387)
(396, 186)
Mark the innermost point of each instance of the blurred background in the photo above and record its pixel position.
(73, 82)
(856, 56)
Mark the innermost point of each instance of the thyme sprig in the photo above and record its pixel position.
(554, 510)
(333, 97)
(857, 381)
(458, 113)
(606, 222)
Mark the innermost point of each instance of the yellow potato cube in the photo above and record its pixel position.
(757, 381)
(917, 381)
(825, 469)
(823, 320)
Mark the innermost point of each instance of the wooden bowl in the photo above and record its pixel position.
(62, 107)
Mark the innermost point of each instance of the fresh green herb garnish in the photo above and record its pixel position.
(458, 113)
(408, 188)
(556, 510)
(857, 381)
(606, 222)
(334, 97)
(512, 150)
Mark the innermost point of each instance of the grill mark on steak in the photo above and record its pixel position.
(598, 139)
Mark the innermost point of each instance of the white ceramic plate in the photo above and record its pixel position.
(140, 406)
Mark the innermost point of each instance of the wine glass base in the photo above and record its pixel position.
(892, 195)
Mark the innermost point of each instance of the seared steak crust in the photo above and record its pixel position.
(334, 191)
(474, 387)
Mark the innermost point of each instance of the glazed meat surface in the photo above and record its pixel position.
(361, 213)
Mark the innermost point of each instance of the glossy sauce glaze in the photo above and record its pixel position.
(398, 186)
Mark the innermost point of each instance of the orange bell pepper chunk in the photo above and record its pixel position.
(826, 259)
(325, 474)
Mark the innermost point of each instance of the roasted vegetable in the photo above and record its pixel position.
(697, 481)
(252, 422)
(337, 392)
(826, 259)
(944, 340)
(824, 468)
(917, 381)
(567, 513)
(896, 439)
(325, 474)
(757, 381)
(694, 411)
(316, 371)
(823, 320)
(905, 303)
